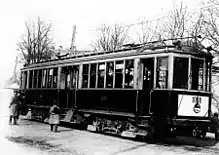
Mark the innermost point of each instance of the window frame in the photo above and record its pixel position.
(166, 71)
(131, 72)
(203, 74)
(86, 74)
(188, 71)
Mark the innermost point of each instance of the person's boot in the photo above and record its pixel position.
(56, 128)
(15, 120)
(10, 120)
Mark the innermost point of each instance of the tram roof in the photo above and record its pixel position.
(127, 52)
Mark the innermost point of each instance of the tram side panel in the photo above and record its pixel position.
(161, 106)
(66, 98)
(112, 100)
(39, 101)
(40, 97)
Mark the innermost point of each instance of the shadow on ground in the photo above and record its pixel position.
(32, 141)
(181, 140)
(191, 144)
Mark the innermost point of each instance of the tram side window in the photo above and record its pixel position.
(109, 74)
(24, 79)
(30, 78)
(93, 74)
(207, 76)
(180, 73)
(68, 76)
(63, 78)
(50, 74)
(119, 74)
(197, 74)
(162, 72)
(101, 75)
(35, 72)
(85, 75)
(40, 77)
(44, 78)
(129, 72)
(74, 77)
(55, 76)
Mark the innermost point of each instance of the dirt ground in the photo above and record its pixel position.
(34, 138)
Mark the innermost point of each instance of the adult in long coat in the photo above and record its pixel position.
(14, 109)
(54, 117)
(215, 125)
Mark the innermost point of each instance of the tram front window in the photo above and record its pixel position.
(180, 73)
(162, 72)
(197, 80)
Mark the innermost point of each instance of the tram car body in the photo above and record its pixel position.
(138, 91)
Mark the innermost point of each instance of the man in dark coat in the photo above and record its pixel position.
(215, 125)
(14, 109)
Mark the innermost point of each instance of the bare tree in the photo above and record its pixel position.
(110, 38)
(211, 24)
(175, 24)
(147, 32)
(36, 43)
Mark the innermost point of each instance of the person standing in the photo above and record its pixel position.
(54, 116)
(14, 110)
(215, 124)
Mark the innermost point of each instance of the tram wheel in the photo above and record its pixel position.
(152, 136)
(202, 135)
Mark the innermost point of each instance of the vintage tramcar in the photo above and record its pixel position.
(147, 90)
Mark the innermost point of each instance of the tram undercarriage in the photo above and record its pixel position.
(142, 128)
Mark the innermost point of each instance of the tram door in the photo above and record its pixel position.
(147, 82)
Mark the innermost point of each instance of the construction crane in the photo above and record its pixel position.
(73, 47)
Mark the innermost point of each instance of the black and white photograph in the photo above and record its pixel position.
(118, 77)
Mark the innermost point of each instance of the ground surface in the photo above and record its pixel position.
(34, 138)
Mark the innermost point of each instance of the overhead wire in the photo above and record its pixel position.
(193, 11)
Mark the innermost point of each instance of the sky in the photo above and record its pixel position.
(87, 15)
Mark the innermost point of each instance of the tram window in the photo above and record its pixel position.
(109, 74)
(197, 74)
(30, 78)
(207, 76)
(55, 76)
(63, 78)
(35, 72)
(75, 77)
(24, 80)
(68, 76)
(101, 75)
(129, 72)
(162, 72)
(85, 76)
(180, 73)
(44, 78)
(50, 74)
(40, 76)
(119, 74)
(93, 74)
